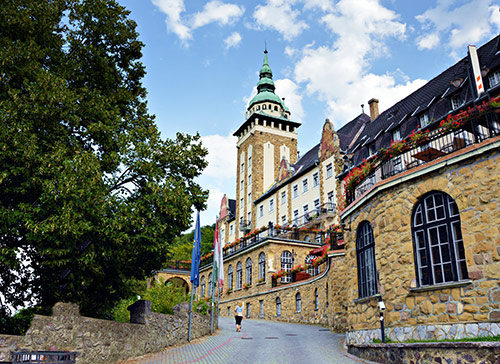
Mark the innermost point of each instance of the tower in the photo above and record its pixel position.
(264, 139)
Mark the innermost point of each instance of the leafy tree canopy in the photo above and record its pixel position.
(182, 246)
(90, 195)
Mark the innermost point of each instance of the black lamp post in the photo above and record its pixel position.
(381, 308)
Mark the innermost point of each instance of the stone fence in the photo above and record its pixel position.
(101, 341)
(432, 352)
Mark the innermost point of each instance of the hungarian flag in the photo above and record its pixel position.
(218, 260)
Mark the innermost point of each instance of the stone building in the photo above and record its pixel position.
(400, 207)
(423, 211)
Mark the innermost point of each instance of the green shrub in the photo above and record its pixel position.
(21, 321)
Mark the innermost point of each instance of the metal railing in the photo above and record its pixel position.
(479, 127)
(315, 214)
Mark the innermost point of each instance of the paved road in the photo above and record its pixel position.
(259, 342)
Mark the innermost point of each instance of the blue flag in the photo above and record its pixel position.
(195, 261)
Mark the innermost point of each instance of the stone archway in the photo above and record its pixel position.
(178, 281)
(177, 277)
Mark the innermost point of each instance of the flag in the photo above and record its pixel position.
(218, 260)
(195, 260)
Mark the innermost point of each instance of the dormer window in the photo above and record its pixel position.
(396, 134)
(456, 102)
(494, 78)
(371, 149)
(258, 108)
(423, 119)
(275, 108)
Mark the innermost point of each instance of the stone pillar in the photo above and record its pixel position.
(139, 312)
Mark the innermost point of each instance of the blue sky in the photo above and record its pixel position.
(328, 57)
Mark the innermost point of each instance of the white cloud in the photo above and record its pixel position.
(293, 97)
(217, 12)
(280, 16)
(290, 52)
(340, 74)
(233, 40)
(460, 25)
(214, 11)
(173, 9)
(221, 155)
(325, 5)
(428, 41)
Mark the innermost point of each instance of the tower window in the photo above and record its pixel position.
(276, 108)
(264, 107)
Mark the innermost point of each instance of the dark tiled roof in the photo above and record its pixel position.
(347, 133)
(428, 98)
(232, 206)
(303, 165)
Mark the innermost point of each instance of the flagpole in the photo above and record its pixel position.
(190, 313)
(213, 295)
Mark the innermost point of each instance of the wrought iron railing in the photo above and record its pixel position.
(440, 142)
(315, 214)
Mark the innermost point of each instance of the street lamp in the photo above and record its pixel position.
(381, 309)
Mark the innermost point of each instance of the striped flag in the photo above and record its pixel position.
(218, 260)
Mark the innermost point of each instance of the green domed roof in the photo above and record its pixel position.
(265, 81)
(265, 96)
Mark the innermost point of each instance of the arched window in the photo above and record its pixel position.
(311, 270)
(202, 287)
(286, 265)
(239, 272)
(230, 277)
(298, 303)
(437, 240)
(365, 252)
(264, 107)
(262, 267)
(210, 285)
(248, 266)
(278, 306)
(316, 299)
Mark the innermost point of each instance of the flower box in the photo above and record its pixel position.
(300, 276)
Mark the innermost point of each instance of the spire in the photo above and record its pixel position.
(265, 76)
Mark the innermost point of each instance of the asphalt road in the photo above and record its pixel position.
(259, 342)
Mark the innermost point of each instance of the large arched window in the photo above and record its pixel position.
(230, 277)
(248, 266)
(239, 272)
(278, 306)
(210, 285)
(298, 303)
(286, 265)
(437, 240)
(365, 252)
(311, 270)
(262, 267)
(202, 287)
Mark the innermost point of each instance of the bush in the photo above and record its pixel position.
(163, 298)
(21, 321)
(201, 306)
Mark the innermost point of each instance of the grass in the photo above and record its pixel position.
(470, 339)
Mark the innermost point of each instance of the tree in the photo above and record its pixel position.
(90, 195)
(182, 246)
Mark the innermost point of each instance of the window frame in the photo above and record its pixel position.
(262, 266)
(248, 271)
(315, 178)
(329, 170)
(295, 191)
(239, 275)
(366, 263)
(230, 276)
(305, 185)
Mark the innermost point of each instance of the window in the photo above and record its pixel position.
(249, 217)
(295, 191)
(283, 220)
(286, 265)
(242, 167)
(239, 271)
(264, 107)
(371, 149)
(228, 310)
(331, 200)
(365, 252)
(316, 299)
(312, 271)
(242, 202)
(396, 134)
(437, 239)
(317, 206)
(250, 180)
(329, 170)
(456, 102)
(298, 303)
(305, 208)
(203, 284)
(262, 267)
(241, 221)
(230, 277)
(210, 285)
(248, 310)
(423, 119)
(258, 108)
(249, 162)
(242, 184)
(315, 179)
(305, 185)
(261, 303)
(248, 266)
(249, 197)
(261, 211)
(494, 78)
(296, 217)
(275, 108)
(231, 229)
(283, 197)
(271, 205)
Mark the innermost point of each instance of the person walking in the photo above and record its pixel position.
(238, 315)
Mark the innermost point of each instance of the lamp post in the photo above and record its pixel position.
(381, 308)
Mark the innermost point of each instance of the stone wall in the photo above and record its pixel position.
(102, 341)
(472, 180)
(420, 353)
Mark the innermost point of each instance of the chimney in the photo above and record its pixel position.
(373, 108)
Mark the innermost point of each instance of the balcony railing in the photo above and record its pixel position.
(477, 127)
(313, 215)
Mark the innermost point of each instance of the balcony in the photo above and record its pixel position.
(453, 134)
(313, 217)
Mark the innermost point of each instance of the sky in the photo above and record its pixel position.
(328, 57)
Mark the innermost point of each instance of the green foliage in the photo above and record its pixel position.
(182, 246)
(21, 321)
(201, 306)
(90, 195)
(163, 297)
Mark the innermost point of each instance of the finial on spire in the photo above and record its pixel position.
(265, 46)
